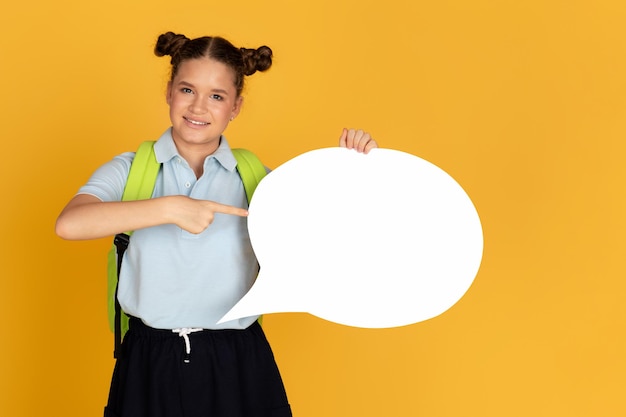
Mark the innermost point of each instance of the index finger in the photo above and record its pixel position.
(226, 209)
(343, 138)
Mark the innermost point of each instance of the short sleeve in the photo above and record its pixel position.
(107, 182)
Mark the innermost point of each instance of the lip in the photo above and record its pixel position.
(195, 123)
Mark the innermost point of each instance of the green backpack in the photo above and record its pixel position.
(139, 186)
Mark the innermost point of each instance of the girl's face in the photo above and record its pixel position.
(202, 99)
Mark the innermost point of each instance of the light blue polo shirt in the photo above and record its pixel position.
(171, 278)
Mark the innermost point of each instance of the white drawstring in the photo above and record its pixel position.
(184, 332)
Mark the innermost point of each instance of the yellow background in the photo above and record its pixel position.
(522, 102)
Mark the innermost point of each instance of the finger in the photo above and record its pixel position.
(226, 209)
(343, 138)
(361, 139)
(350, 137)
(370, 145)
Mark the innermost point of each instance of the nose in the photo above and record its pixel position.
(198, 105)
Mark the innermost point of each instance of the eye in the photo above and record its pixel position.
(186, 90)
(217, 97)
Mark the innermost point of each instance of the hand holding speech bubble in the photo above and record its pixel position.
(379, 240)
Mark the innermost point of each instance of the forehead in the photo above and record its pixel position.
(205, 72)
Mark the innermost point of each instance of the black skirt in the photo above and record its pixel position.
(209, 373)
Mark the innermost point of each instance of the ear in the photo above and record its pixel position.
(168, 94)
(236, 107)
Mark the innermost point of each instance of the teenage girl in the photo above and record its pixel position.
(190, 258)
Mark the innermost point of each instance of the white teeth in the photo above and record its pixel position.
(196, 123)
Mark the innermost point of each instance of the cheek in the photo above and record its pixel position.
(174, 107)
(220, 109)
(176, 102)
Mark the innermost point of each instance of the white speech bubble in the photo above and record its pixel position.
(379, 240)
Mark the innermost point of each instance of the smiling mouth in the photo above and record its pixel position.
(195, 122)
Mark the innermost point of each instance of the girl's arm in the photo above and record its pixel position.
(87, 217)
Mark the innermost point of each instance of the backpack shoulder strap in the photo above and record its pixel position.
(251, 170)
(143, 173)
(139, 186)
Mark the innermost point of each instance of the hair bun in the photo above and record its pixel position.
(254, 60)
(169, 44)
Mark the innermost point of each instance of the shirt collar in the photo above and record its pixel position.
(165, 150)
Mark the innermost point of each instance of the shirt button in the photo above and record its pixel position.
(187, 184)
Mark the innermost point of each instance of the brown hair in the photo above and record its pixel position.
(242, 61)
